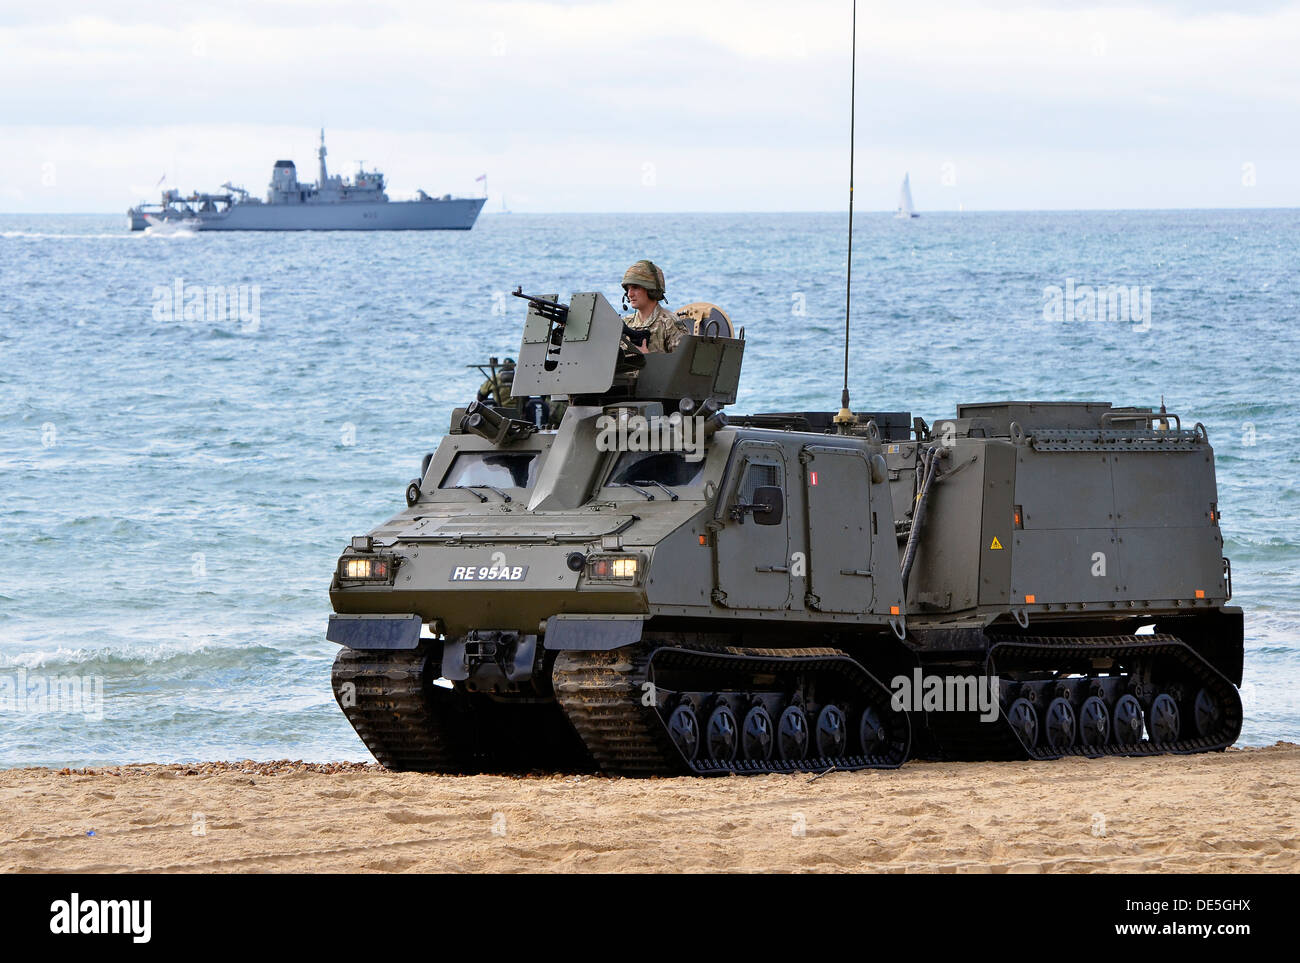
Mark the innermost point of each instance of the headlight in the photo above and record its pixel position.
(367, 568)
(621, 568)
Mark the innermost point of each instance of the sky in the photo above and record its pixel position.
(675, 105)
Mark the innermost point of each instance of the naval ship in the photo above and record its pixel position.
(333, 203)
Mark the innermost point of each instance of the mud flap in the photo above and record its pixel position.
(592, 633)
(367, 632)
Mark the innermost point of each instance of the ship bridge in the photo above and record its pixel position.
(366, 186)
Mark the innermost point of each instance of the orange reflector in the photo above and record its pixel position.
(701, 539)
(1029, 599)
(893, 610)
(1200, 593)
(1017, 519)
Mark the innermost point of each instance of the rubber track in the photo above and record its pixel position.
(963, 736)
(601, 693)
(393, 711)
(1126, 648)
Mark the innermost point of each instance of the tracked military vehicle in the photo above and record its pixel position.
(661, 586)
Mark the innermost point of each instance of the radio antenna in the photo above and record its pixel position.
(846, 417)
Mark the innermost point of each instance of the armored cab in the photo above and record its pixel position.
(660, 586)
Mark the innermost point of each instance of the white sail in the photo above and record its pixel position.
(905, 208)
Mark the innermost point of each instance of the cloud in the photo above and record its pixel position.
(743, 105)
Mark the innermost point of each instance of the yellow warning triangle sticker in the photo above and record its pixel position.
(996, 543)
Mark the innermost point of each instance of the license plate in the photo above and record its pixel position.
(489, 573)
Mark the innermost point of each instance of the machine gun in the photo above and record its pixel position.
(552, 311)
(556, 315)
(490, 372)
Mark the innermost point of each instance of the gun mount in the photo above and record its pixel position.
(578, 350)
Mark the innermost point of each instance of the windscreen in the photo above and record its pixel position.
(512, 469)
(665, 467)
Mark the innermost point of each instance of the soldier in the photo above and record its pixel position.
(498, 386)
(643, 289)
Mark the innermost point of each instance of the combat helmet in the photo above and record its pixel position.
(647, 275)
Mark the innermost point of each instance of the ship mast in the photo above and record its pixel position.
(323, 175)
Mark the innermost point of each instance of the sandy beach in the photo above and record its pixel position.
(1219, 813)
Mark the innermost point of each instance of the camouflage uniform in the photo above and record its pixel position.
(666, 329)
(498, 387)
(557, 413)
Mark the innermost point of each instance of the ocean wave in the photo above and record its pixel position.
(254, 456)
(64, 237)
(203, 656)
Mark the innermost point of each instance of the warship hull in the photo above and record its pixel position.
(456, 214)
(333, 203)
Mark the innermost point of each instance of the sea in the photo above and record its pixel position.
(179, 472)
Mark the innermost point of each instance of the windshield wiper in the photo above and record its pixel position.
(483, 498)
(640, 491)
(671, 494)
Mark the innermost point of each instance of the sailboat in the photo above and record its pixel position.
(905, 207)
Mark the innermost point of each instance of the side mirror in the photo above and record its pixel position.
(769, 505)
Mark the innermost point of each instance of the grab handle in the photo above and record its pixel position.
(1150, 417)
